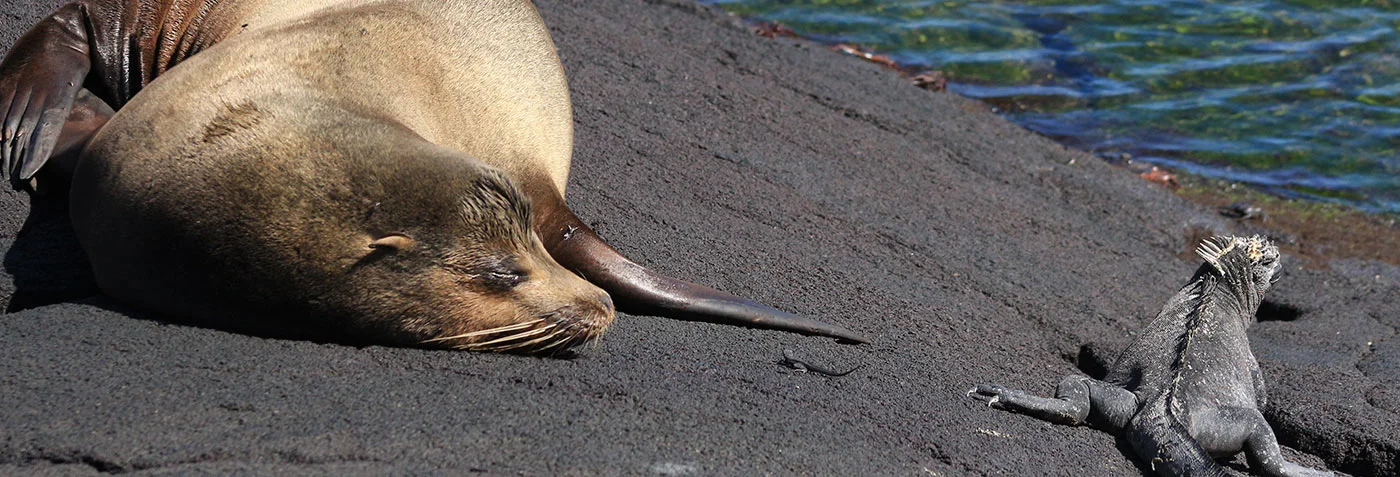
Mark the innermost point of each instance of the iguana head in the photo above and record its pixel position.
(1248, 263)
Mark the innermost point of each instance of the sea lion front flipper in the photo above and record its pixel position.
(638, 290)
(38, 79)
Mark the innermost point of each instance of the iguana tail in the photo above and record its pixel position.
(1159, 438)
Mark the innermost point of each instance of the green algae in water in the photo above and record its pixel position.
(1297, 97)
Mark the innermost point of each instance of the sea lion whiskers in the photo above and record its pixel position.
(561, 334)
(517, 336)
(565, 342)
(565, 336)
(489, 331)
(598, 337)
(528, 344)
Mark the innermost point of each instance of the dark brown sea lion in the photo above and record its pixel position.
(370, 171)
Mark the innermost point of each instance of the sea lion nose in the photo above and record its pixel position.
(607, 303)
(586, 293)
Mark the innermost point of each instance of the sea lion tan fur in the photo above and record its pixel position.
(372, 171)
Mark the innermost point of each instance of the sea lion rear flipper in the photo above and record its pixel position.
(38, 79)
(638, 290)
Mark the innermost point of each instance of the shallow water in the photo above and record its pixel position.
(1297, 97)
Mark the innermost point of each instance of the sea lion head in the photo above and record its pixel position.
(470, 273)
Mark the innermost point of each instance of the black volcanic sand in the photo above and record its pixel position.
(969, 249)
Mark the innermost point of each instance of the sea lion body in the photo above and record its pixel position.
(290, 174)
(368, 171)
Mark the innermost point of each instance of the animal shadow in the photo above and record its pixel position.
(44, 259)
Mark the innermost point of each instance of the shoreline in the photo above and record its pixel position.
(1317, 232)
(1314, 230)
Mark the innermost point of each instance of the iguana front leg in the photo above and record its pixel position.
(1078, 400)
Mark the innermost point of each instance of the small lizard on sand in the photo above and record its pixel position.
(793, 362)
(1188, 389)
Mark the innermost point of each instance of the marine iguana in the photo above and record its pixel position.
(1188, 389)
(794, 362)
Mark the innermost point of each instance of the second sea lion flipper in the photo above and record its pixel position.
(639, 290)
(88, 114)
(38, 79)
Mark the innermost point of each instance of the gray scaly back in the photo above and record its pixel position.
(1188, 388)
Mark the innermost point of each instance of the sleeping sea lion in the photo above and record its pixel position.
(365, 171)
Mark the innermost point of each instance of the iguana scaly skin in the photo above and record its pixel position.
(1188, 389)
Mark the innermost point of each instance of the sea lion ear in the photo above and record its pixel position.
(395, 241)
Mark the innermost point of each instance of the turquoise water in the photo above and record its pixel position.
(1299, 98)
